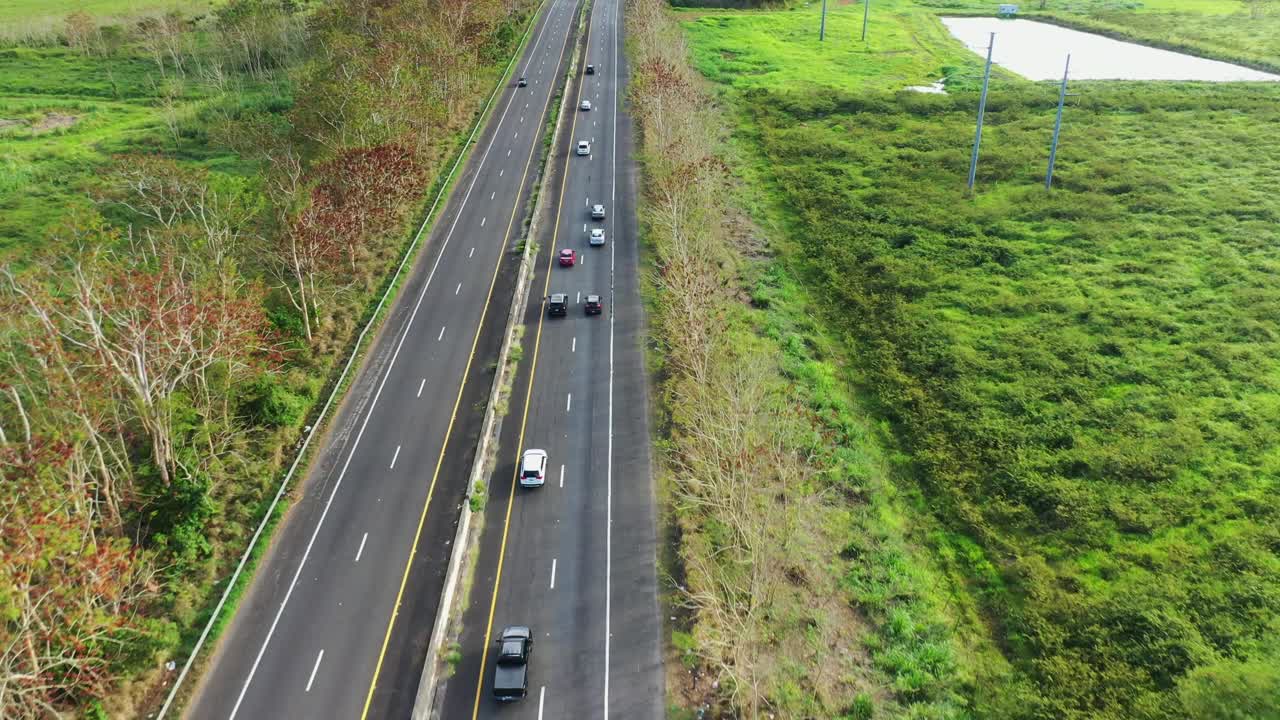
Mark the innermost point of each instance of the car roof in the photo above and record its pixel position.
(597, 231)
(558, 297)
(516, 631)
(567, 251)
(599, 206)
(593, 298)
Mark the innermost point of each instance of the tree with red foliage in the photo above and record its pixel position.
(148, 327)
(70, 602)
(309, 247)
(370, 187)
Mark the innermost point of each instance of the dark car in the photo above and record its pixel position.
(522, 82)
(558, 304)
(591, 69)
(511, 676)
(594, 306)
(568, 257)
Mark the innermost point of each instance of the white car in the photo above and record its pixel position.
(533, 468)
(584, 147)
(597, 236)
(586, 105)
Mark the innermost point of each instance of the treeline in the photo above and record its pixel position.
(795, 591)
(153, 378)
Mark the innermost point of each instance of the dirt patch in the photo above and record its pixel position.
(54, 121)
(6, 124)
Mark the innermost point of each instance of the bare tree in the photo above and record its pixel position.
(307, 248)
(154, 187)
(70, 599)
(1258, 8)
(81, 31)
(149, 332)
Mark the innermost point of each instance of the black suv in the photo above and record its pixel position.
(591, 69)
(558, 304)
(593, 305)
(521, 82)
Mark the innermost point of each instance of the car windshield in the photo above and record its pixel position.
(512, 653)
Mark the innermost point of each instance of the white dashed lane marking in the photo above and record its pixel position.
(314, 668)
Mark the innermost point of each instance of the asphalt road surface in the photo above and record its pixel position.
(318, 630)
(575, 559)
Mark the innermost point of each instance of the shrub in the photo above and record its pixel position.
(272, 404)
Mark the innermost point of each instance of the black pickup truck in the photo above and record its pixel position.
(511, 677)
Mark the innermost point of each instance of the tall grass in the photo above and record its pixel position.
(1084, 379)
(799, 591)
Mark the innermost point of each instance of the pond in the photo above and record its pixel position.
(1038, 50)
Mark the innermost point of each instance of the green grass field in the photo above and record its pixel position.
(40, 21)
(1083, 382)
(63, 115)
(26, 9)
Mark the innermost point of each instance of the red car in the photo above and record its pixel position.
(568, 258)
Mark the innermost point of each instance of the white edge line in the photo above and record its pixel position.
(608, 536)
(542, 696)
(337, 387)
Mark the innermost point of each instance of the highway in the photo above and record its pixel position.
(575, 559)
(317, 634)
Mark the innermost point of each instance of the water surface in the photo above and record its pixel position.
(1037, 51)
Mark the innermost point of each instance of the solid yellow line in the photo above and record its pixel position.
(404, 579)
(533, 369)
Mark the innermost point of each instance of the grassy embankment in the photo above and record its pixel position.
(1220, 29)
(103, 121)
(794, 572)
(1082, 383)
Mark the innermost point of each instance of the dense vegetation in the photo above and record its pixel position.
(1082, 381)
(797, 589)
(197, 215)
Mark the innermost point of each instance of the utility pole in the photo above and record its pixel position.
(822, 28)
(866, 10)
(982, 110)
(1057, 125)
